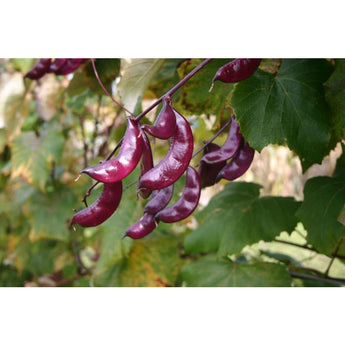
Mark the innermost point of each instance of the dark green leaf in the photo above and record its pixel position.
(324, 198)
(237, 216)
(287, 107)
(208, 271)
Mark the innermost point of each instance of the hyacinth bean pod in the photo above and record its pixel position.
(56, 65)
(209, 172)
(144, 226)
(165, 124)
(187, 203)
(69, 66)
(125, 162)
(229, 148)
(39, 70)
(176, 161)
(237, 70)
(102, 208)
(160, 198)
(146, 164)
(239, 164)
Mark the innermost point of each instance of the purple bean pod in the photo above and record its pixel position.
(176, 161)
(165, 124)
(125, 162)
(102, 208)
(188, 201)
(160, 198)
(39, 70)
(237, 70)
(69, 66)
(56, 65)
(146, 164)
(229, 148)
(209, 172)
(239, 164)
(144, 226)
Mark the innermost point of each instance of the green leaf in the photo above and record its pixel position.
(324, 198)
(287, 107)
(210, 272)
(33, 157)
(237, 216)
(136, 75)
(335, 96)
(195, 98)
(50, 213)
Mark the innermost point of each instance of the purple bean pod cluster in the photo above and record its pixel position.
(56, 66)
(228, 161)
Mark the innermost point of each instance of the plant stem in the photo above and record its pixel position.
(319, 278)
(105, 90)
(304, 246)
(174, 88)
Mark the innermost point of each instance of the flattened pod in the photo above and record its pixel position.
(144, 226)
(237, 70)
(39, 70)
(165, 124)
(176, 161)
(160, 198)
(229, 148)
(56, 65)
(124, 163)
(102, 208)
(208, 172)
(187, 203)
(69, 66)
(146, 164)
(239, 164)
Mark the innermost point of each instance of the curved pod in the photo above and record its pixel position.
(165, 124)
(125, 162)
(187, 203)
(160, 199)
(102, 208)
(237, 70)
(146, 164)
(144, 226)
(239, 164)
(176, 161)
(39, 70)
(229, 148)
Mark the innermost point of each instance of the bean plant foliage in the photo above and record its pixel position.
(61, 127)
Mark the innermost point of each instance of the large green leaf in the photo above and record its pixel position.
(324, 199)
(136, 75)
(33, 157)
(208, 271)
(287, 107)
(237, 216)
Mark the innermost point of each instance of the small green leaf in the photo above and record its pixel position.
(287, 107)
(208, 271)
(136, 75)
(324, 199)
(237, 217)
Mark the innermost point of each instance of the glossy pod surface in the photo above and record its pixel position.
(164, 126)
(146, 164)
(144, 226)
(208, 172)
(102, 208)
(56, 65)
(159, 199)
(239, 164)
(69, 66)
(187, 203)
(229, 148)
(176, 161)
(39, 69)
(237, 70)
(124, 163)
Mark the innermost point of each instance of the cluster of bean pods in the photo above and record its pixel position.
(228, 161)
(57, 66)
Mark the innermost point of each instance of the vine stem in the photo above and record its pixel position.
(105, 90)
(174, 88)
